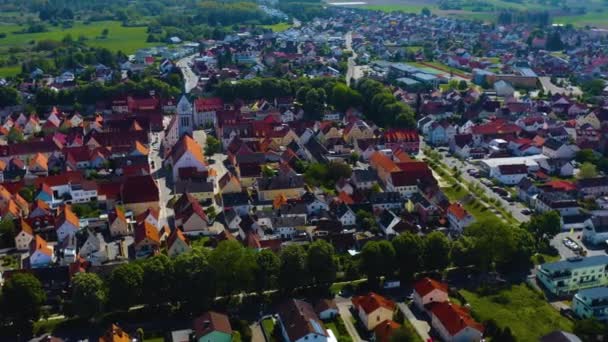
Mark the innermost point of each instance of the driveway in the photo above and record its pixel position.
(343, 308)
(422, 328)
(256, 333)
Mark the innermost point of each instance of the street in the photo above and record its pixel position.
(190, 78)
(351, 72)
(514, 208)
(160, 174)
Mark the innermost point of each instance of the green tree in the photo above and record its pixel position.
(7, 233)
(436, 251)
(196, 285)
(321, 262)
(88, 295)
(408, 250)
(234, 267)
(426, 12)
(157, 270)
(9, 96)
(22, 298)
(293, 271)
(463, 85)
(212, 145)
(543, 228)
(463, 252)
(366, 220)
(587, 156)
(125, 285)
(15, 136)
(269, 266)
(403, 334)
(587, 170)
(377, 259)
(589, 329)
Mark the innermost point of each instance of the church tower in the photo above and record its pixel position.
(185, 116)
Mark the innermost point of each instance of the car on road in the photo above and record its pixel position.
(486, 182)
(502, 192)
(526, 212)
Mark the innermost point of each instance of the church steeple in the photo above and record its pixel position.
(185, 115)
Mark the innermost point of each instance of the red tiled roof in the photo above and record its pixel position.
(384, 330)
(458, 211)
(372, 301)
(454, 317)
(425, 286)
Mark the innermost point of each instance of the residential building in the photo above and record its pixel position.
(299, 322)
(591, 303)
(454, 323)
(568, 276)
(212, 327)
(427, 290)
(373, 309)
(459, 218)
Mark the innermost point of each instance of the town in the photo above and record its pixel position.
(359, 176)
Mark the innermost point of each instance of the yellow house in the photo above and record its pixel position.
(358, 130)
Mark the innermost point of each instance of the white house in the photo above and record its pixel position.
(373, 309)
(24, 237)
(187, 154)
(454, 323)
(509, 174)
(427, 290)
(459, 218)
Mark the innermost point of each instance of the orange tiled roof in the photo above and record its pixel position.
(458, 211)
(115, 334)
(425, 286)
(380, 160)
(372, 301)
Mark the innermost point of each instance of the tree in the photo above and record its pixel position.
(463, 85)
(543, 228)
(9, 96)
(366, 220)
(234, 267)
(589, 329)
(125, 285)
(493, 242)
(587, 170)
(436, 253)
(426, 12)
(463, 252)
(269, 266)
(212, 145)
(196, 285)
(7, 233)
(321, 262)
(105, 32)
(15, 135)
(293, 272)
(403, 334)
(377, 259)
(22, 298)
(587, 156)
(593, 87)
(157, 270)
(88, 295)
(408, 249)
(314, 102)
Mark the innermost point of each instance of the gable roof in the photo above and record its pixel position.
(38, 244)
(115, 334)
(299, 319)
(454, 317)
(384, 330)
(372, 301)
(209, 322)
(187, 144)
(458, 211)
(146, 230)
(67, 215)
(427, 285)
(139, 189)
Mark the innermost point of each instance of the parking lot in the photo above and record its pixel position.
(566, 251)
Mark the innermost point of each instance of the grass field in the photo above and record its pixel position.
(10, 70)
(278, 27)
(408, 8)
(125, 39)
(525, 311)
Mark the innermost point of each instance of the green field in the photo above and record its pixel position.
(125, 39)
(278, 27)
(10, 70)
(525, 311)
(408, 8)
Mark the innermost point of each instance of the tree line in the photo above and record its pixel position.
(318, 95)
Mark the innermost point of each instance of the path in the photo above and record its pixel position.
(256, 333)
(422, 328)
(351, 72)
(347, 318)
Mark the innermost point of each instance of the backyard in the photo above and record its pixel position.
(522, 309)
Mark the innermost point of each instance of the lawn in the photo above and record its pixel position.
(522, 309)
(408, 8)
(268, 324)
(125, 39)
(338, 328)
(278, 27)
(10, 70)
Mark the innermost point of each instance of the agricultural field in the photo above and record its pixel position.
(119, 38)
(596, 10)
(280, 27)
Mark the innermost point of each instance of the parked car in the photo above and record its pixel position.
(526, 212)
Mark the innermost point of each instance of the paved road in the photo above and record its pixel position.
(190, 78)
(351, 71)
(549, 87)
(156, 160)
(514, 208)
(343, 305)
(422, 328)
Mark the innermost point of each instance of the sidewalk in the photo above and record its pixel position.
(348, 321)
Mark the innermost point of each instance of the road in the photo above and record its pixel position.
(190, 78)
(343, 308)
(422, 328)
(352, 72)
(256, 333)
(514, 208)
(160, 174)
(549, 87)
